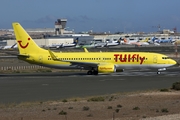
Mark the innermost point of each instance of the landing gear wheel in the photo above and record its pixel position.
(92, 72)
(89, 72)
(158, 72)
(95, 72)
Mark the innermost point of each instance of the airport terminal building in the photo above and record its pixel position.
(59, 35)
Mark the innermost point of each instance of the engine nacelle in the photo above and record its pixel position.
(106, 68)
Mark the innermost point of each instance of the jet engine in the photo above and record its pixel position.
(106, 68)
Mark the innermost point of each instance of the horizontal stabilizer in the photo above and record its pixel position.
(23, 55)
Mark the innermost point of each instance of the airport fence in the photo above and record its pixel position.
(8, 68)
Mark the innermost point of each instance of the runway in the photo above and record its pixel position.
(28, 87)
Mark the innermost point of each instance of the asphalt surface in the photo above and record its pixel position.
(17, 88)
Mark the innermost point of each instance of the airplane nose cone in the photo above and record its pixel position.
(173, 62)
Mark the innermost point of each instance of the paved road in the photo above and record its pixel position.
(15, 88)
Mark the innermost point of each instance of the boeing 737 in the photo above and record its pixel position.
(94, 62)
(134, 42)
(65, 45)
(112, 43)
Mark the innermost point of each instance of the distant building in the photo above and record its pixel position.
(60, 25)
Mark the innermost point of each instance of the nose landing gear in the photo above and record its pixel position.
(161, 69)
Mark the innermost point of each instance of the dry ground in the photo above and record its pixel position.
(128, 106)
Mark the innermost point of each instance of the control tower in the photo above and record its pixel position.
(60, 25)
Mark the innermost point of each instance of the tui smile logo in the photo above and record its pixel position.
(23, 46)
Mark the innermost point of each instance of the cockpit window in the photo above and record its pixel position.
(165, 58)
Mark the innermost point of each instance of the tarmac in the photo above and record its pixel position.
(30, 87)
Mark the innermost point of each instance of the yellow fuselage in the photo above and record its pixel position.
(122, 60)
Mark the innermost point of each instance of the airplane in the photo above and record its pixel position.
(10, 47)
(92, 45)
(94, 62)
(112, 43)
(170, 40)
(134, 42)
(153, 41)
(101, 44)
(145, 40)
(64, 45)
(156, 40)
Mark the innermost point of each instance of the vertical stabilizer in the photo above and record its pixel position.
(26, 44)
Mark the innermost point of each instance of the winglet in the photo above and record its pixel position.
(52, 55)
(85, 50)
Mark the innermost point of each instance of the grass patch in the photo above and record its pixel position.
(117, 110)
(96, 99)
(86, 108)
(62, 113)
(136, 108)
(89, 115)
(109, 107)
(119, 106)
(43, 70)
(164, 90)
(111, 98)
(164, 110)
(16, 71)
(176, 86)
(70, 108)
(64, 100)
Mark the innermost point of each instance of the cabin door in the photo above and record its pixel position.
(40, 59)
(155, 58)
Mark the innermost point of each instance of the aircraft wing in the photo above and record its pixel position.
(23, 55)
(76, 63)
(82, 64)
(13, 55)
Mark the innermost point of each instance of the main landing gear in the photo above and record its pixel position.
(92, 72)
(158, 72)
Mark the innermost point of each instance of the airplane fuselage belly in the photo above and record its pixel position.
(60, 66)
(132, 66)
(157, 66)
(124, 60)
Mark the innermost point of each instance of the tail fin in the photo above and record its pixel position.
(26, 44)
(119, 41)
(125, 41)
(153, 39)
(13, 45)
(76, 40)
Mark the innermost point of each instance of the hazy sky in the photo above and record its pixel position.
(96, 15)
